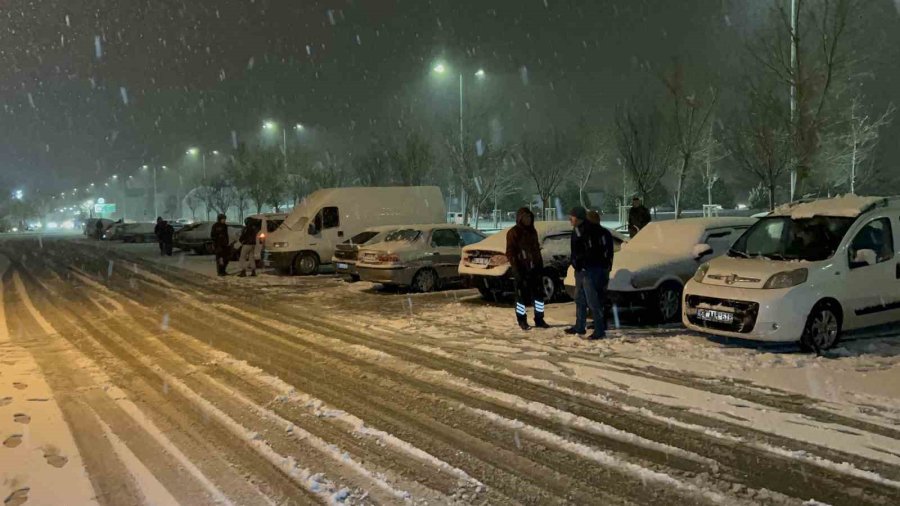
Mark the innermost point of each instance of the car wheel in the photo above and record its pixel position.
(668, 302)
(486, 292)
(306, 264)
(822, 330)
(550, 286)
(425, 281)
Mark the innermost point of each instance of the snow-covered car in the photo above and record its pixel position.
(486, 266)
(196, 237)
(422, 257)
(806, 272)
(345, 253)
(652, 268)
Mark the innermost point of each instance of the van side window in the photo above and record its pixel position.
(877, 236)
(331, 218)
(445, 238)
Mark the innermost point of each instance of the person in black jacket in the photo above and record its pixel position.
(167, 237)
(158, 231)
(592, 256)
(638, 217)
(248, 246)
(523, 251)
(221, 244)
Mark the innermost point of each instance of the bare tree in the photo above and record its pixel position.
(643, 147)
(374, 168)
(859, 143)
(329, 172)
(491, 179)
(808, 51)
(760, 143)
(595, 154)
(411, 162)
(193, 201)
(690, 117)
(546, 162)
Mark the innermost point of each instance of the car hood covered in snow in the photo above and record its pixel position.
(641, 270)
(746, 272)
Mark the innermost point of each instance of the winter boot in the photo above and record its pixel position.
(539, 321)
(523, 322)
(243, 274)
(252, 274)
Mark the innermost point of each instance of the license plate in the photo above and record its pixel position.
(715, 316)
(343, 266)
(480, 261)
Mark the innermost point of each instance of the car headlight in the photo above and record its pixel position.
(276, 245)
(701, 272)
(787, 279)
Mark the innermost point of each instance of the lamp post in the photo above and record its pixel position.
(441, 69)
(271, 125)
(195, 152)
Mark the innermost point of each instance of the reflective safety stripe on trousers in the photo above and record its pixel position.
(538, 307)
(520, 308)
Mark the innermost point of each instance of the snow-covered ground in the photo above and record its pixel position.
(321, 391)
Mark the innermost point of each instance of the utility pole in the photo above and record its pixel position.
(155, 206)
(462, 195)
(794, 77)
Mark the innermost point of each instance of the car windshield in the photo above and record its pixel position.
(403, 235)
(784, 238)
(361, 238)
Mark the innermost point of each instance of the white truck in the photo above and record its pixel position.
(328, 217)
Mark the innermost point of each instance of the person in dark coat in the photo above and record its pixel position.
(523, 250)
(98, 227)
(166, 237)
(638, 217)
(248, 246)
(221, 244)
(158, 231)
(592, 257)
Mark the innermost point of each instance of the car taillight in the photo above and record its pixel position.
(499, 260)
(262, 235)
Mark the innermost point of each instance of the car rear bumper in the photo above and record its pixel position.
(344, 268)
(760, 315)
(401, 276)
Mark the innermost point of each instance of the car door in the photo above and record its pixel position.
(327, 224)
(872, 289)
(446, 248)
(556, 250)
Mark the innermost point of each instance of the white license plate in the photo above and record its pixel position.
(480, 261)
(715, 316)
(343, 266)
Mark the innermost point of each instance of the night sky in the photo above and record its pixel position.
(90, 88)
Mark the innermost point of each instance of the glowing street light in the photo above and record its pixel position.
(192, 152)
(299, 127)
(440, 68)
(480, 74)
(269, 125)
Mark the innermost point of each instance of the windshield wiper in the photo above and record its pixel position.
(737, 253)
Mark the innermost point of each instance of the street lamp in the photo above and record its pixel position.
(271, 125)
(195, 152)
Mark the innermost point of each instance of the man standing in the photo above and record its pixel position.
(638, 217)
(158, 231)
(248, 246)
(221, 244)
(592, 256)
(166, 237)
(523, 250)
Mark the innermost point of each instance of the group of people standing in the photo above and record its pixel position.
(592, 251)
(222, 245)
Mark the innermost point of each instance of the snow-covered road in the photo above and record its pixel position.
(178, 387)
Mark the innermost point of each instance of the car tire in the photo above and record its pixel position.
(426, 280)
(306, 264)
(668, 302)
(822, 330)
(486, 292)
(550, 285)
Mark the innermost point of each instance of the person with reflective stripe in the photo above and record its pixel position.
(523, 250)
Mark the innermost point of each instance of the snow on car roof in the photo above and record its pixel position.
(680, 236)
(497, 242)
(846, 206)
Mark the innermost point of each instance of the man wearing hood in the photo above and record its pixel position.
(221, 244)
(523, 250)
(158, 230)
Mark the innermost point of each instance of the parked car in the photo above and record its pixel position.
(196, 237)
(652, 268)
(422, 257)
(806, 272)
(487, 268)
(266, 223)
(137, 232)
(330, 216)
(113, 233)
(90, 227)
(345, 253)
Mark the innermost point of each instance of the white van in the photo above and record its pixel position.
(805, 272)
(328, 217)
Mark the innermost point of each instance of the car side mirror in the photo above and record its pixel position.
(701, 250)
(864, 258)
(311, 230)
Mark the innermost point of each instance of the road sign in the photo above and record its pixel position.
(101, 209)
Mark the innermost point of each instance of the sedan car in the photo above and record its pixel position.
(651, 270)
(196, 237)
(422, 257)
(485, 263)
(346, 253)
